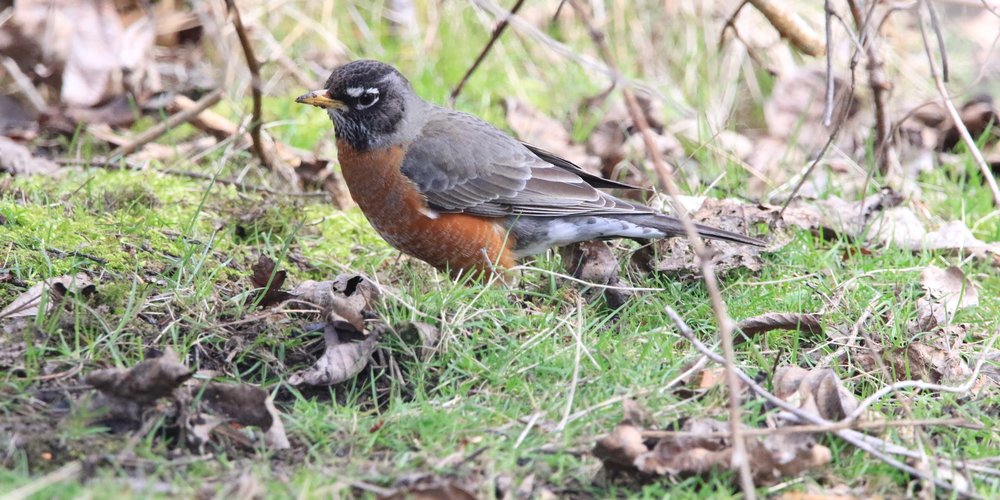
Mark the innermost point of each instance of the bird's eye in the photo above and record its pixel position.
(368, 98)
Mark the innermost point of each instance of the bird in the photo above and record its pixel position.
(458, 193)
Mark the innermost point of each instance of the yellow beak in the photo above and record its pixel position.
(321, 98)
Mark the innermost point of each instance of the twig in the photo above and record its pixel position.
(739, 459)
(818, 428)
(242, 185)
(963, 131)
(828, 106)
(255, 84)
(501, 26)
(880, 86)
(165, 126)
(853, 437)
(791, 26)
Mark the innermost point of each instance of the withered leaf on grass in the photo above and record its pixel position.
(938, 363)
(247, 405)
(346, 303)
(422, 337)
(697, 449)
(16, 159)
(947, 291)
(145, 382)
(676, 256)
(430, 488)
(818, 391)
(26, 305)
(269, 281)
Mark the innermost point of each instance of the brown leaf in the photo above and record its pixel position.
(622, 447)
(431, 488)
(82, 48)
(947, 291)
(270, 281)
(145, 382)
(795, 109)
(18, 160)
(697, 450)
(26, 305)
(818, 391)
(676, 257)
(809, 323)
(343, 359)
(247, 405)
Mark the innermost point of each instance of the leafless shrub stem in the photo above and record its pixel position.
(501, 26)
(963, 131)
(255, 84)
(726, 324)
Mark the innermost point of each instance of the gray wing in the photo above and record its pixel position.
(490, 173)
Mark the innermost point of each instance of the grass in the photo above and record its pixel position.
(172, 257)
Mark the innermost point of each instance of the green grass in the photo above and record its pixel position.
(172, 258)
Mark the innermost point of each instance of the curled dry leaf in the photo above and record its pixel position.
(938, 363)
(82, 48)
(346, 303)
(818, 391)
(807, 322)
(247, 405)
(342, 360)
(594, 262)
(534, 127)
(270, 281)
(430, 488)
(145, 382)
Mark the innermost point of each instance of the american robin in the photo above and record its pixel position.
(459, 194)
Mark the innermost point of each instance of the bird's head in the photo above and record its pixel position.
(369, 102)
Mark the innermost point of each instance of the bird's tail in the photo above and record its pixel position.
(673, 227)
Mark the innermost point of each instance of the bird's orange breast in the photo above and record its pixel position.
(399, 213)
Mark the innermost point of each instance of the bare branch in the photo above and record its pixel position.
(501, 26)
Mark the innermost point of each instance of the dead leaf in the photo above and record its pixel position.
(26, 305)
(947, 291)
(18, 160)
(430, 488)
(82, 48)
(808, 323)
(676, 257)
(343, 359)
(696, 450)
(937, 364)
(794, 110)
(269, 281)
(145, 382)
(818, 391)
(247, 405)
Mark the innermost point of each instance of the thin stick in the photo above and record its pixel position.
(165, 126)
(739, 459)
(255, 84)
(963, 131)
(24, 84)
(880, 86)
(578, 336)
(818, 428)
(501, 26)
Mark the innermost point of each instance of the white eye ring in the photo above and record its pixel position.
(368, 99)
